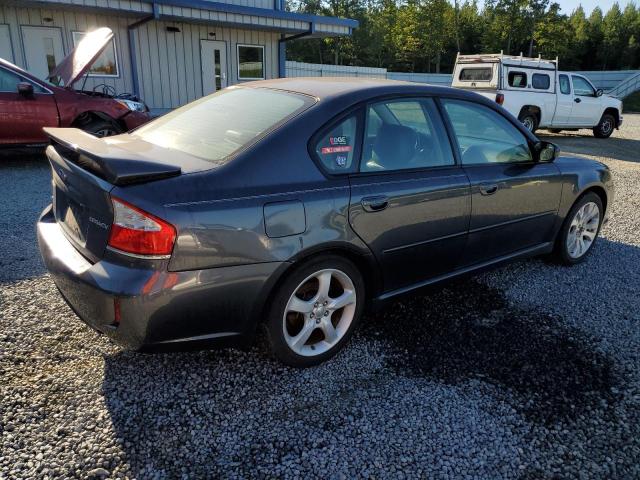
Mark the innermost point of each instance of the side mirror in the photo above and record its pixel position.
(546, 151)
(25, 89)
(599, 92)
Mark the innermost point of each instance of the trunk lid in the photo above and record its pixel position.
(81, 204)
(84, 171)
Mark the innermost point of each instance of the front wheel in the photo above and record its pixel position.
(605, 127)
(579, 230)
(315, 311)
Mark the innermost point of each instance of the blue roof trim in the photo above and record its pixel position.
(260, 12)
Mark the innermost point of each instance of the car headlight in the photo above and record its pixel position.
(133, 106)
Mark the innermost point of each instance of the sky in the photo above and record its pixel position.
(569, 6)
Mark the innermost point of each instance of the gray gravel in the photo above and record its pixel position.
(530, 371)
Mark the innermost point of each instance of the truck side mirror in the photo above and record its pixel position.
(25, 89)
(599, 92)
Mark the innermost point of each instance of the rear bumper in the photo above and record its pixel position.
(158, 309)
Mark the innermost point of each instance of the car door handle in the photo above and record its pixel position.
(488, 189)
(375, 204)
(577, 100)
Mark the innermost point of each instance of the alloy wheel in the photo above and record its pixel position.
(583, 230)
(319, 312)
(528, 123)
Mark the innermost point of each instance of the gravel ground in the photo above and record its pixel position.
(530, 371)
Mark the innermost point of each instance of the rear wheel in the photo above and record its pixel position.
(529, 120)
(315, 311)
(101, 128)
(580, 230)
(605, 127)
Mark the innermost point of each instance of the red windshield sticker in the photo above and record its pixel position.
(329, 150)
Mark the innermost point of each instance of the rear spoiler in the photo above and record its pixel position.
(106, 160)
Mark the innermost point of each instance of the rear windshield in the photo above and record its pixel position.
(476, 74)
(215, 127)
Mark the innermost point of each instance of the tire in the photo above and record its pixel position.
(605, 127)
(298, 329)
(101, 128)
(575, 225)
(529, 120)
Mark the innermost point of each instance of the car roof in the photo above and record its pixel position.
(330, 88)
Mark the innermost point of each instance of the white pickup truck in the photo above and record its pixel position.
(538, 94)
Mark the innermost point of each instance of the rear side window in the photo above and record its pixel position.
(540, 81)
(565, 85)
(335, 148)
(517, 79)
(404, 134)
(216, 126)
(485, 136)
(476, 74)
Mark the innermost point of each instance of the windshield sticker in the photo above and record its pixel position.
(339, 140)
(330, 150)
(341, 160)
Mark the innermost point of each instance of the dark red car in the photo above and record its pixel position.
(27, 104)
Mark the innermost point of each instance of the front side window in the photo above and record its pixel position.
(250, 62)
(106, 64)
(404, 134)
(582, 87)
(517, 79)
(475, 74)
(9, 82)
(215, 127)
(540, 81)
(485, 136)
(565, 85)
(335, 148)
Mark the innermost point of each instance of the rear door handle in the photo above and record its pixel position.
(577, 100)
(375, 204)
(489, 189)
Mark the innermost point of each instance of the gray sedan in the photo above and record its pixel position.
(294, 203)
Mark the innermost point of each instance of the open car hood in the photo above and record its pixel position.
(75, 65)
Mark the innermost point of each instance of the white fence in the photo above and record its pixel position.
(607, 80)
(299, 69)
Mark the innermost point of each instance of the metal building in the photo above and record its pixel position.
(168, 52)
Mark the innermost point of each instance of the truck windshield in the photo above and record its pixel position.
(216, 126)
(476, 74)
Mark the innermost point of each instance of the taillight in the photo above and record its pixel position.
(499, 98)
(138, 232)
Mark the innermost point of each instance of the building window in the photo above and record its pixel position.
(106, 65)
(250, 62)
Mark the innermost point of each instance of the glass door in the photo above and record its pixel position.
(213, 55)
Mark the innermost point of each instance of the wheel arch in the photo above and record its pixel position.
(84, 118)
(534, 109)
(363, 260)
(612, 111)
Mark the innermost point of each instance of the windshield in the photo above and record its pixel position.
(215, 127)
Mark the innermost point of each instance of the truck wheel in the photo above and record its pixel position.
(529, 120)
(101, 128)
(604, 129)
